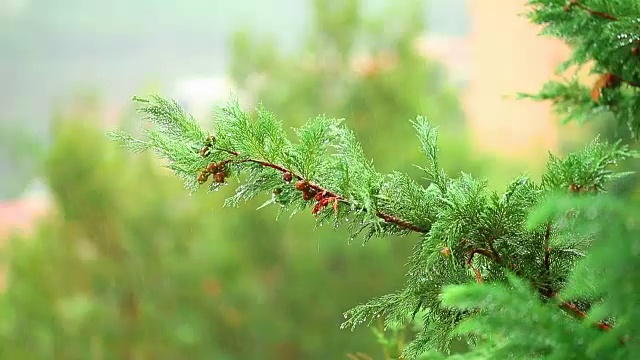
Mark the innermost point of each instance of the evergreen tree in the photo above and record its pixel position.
(542, 269)
(255, 280)
(366, 68)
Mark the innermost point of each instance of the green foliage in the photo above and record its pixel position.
(326, 158)
(18, 148)
(503, 272)
(129, 265)
(86, 284)
(611, 47)
(242, 289)
(463, 217)
(588, 168)
(543, 330)
(364, 68)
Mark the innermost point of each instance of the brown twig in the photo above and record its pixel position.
(572, 308)
(319, 189)
(605, 81)
(484, 252)
(575, 311)
(603, 15)
(596, 13)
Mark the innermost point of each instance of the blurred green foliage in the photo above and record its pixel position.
(609, 130)
(366, 69)
(19, 149)
(130, 267)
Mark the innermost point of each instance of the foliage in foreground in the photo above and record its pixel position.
(128, 266)
(469, 234)
(604, 37)
(540, 270)
(255, 280)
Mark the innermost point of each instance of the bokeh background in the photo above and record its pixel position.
(106, 256)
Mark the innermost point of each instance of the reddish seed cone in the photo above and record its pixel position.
(446, 252)
(202, 178)
(302, 185)
(219, 177)
(607, 80)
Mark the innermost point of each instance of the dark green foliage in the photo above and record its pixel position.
(543, 330)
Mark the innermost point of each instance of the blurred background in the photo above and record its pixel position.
(106, 256)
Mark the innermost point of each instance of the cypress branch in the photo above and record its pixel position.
(457, 218)
(326, 193)
(506, 301)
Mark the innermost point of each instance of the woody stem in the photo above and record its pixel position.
(384, 216)
(600, 14)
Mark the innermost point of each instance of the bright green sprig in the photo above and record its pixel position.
(468, 233)
(611, 44)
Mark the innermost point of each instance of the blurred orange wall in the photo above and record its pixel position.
(507, 56)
